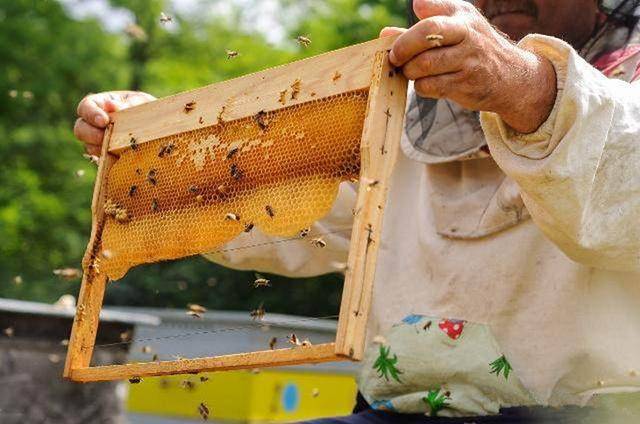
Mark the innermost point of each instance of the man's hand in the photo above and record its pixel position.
(455, 53)
(93, 113)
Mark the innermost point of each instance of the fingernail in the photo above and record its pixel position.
(100, 120)
(392, 57)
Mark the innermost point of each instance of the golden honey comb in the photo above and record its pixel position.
(192, 192)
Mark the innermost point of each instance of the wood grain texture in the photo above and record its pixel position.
(320, 76)
(85, 324)
(379, 149)
(262, 359)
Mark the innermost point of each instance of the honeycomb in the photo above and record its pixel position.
(190, 193)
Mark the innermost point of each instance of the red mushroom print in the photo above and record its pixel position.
(452, 327)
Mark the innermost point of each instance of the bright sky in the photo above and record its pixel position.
(261, 14)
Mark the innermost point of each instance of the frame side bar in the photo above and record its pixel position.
(268, 358)
(379, 150)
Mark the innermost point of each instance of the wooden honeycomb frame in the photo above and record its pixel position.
(360, 67)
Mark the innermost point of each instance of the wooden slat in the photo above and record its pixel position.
(320, 76)
(268, 358)
(379, 149)
(85, 324)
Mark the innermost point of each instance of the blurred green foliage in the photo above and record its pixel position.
(50, 60)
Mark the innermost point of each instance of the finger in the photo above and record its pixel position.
(88, 133)
(91, 109)
(434, 62)
(389, 31)
(428, 8)
(437, 87)
(126, 99)
(92, 149)
(427, 34)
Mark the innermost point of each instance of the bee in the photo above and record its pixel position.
(194, 189)
(203, 410)
(203, 378)
(136, 32)
(155, 357)
(132, 190)
(273, 342)
(222, 189)
(305, 343)
(336, 76)
(295, 88)
(303, 40)
(165, 19)
(270, 211)
(53, 358)
(151, 176)
(135, 380)
(194, 314)
(304, 232)
(194, 307)
(9, 332)
(17, 280)
(154, 204)
(232, 217)
(79, 173)
(258, 314)
(199, 198)
(386, 112)
(319, 242)
(372, 184)
(231, 153)
(166, 150)
(294, 340)
(231, 54)
(91, 158)
(283, 97)
(188, 107)
(436, 39)
(121, 215)
(427, 326)
(133, 143)
(447, 394)
(201, 120)
(125, 336)
(236, 173)
(68, 274)
(261, 120)
(187, 384)
(222, 111)
(248, 227)
(64, 342)
(146, 349)
(261, 282)
(315, 392)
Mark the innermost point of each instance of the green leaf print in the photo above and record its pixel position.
(436, 401)
(385, 365)
(501, 365)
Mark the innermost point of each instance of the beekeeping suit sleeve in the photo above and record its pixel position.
(296, 256)
(579, 173)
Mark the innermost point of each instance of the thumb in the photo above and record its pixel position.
(112, 105)
(389, 31)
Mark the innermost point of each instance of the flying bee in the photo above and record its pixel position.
(154, 204)
(258, 314)
(248, 227)
(194, 307)
(133, 143)
(203, 378)
(155, 357)
(273, 342)
(151, 176)
(146, 349)
(135, 380)
(261, 120)
(231, 54)
(236, 173)
(232, 217)
(304, 232)
(165, 19)
(261, 282)
(79, 173)
(132, 190)
(194, 314)
(125, 336)
(187, 384)
(231, 153)
(303, 40)
(68, 274)
(270, 211)
(315, 392)
(203, 410)
(91, 158)
(9, 332)
(189, 106)
(294, 340)
(53, 358)
(319, 242)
